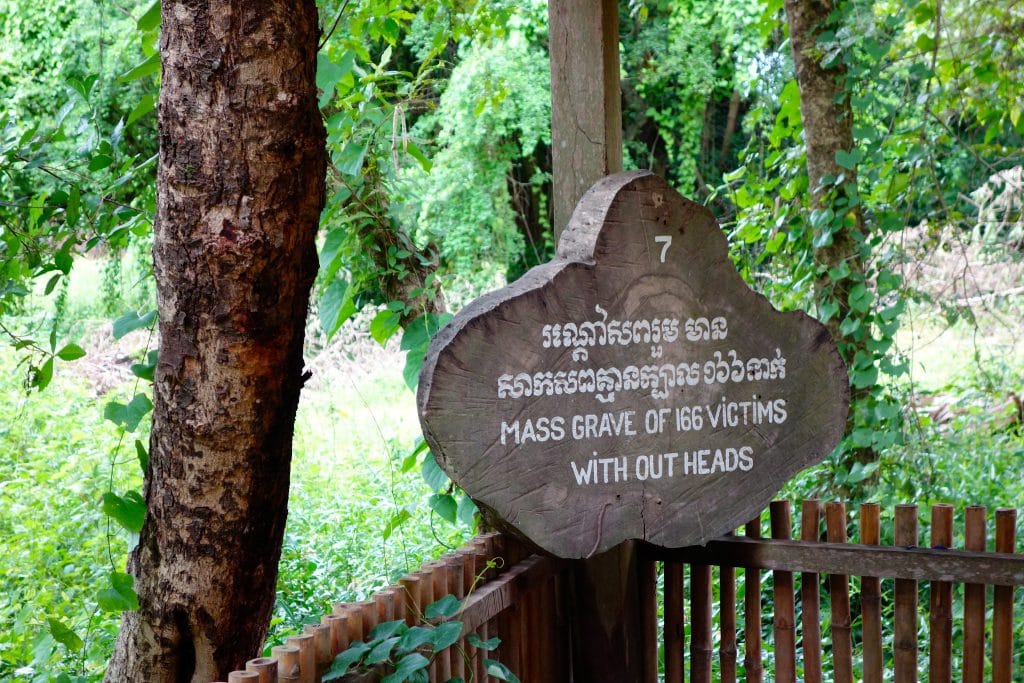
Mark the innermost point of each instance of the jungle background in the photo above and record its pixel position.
(438, 118)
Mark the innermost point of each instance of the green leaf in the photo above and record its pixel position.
(150, 19)
(128, 416)
(43, 374)
(120, 596)
(444, 635)
(500, 671)
(387, 629)
(336, 307)
(147, 103)
(128, 511)
(490, 644)
(381, 651)
(860, 298)
(398, 518)
(131, 321)
(865, 378)
(142, 455)
(417, 154)
(849, 160)
(64, 635)
(444, 505)
(445, 607)
(827, 309)
(407, 666)
(413, 638)
(432, 474)
(71, 352)
(413, 364)
(350, 161)
(148, 67)
(341, 663)
(467, 511)
(384, 325)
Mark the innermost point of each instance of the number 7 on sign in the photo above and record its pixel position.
(666, 242)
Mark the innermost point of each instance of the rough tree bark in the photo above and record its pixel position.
(240, 189)
(828, 128)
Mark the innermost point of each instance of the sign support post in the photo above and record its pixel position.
(605, 609)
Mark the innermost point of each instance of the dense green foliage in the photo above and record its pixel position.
(438, 119)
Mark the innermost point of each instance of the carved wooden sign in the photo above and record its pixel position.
(632, 388)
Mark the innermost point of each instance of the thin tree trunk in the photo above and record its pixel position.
(730, 129)
(240, 189)
(828, 129)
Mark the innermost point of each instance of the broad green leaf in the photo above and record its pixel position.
(407, 666)
(444, 635)
(413, 638)
(490, 644)
(64, 635)
(432, 474)
(120, 596)
(500, 671)
(42, 375)
(129, 511)
(849, 160)
(381, 652)
(341, 663)
(444, 505)
(128, 416)
(71, 352)
(150, 19)
(387, 629)
(148, 67)
(147, 103)
(467, 510)
(445, 607)
(384, 325)
(397, 519)
(131, 321)
(143, 456)
(335, 307)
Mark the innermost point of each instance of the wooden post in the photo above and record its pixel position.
(586, 109)
(586, 144)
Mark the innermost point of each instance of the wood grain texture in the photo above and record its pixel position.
(495, 372)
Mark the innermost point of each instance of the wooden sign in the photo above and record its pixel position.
(632, 388)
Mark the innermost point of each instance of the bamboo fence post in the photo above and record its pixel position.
(355, 625)
(368, 610)
(974, 600)
(905, 631)
(1002, 611)
(338, 624)
(752, 666)
(265, 667)
(307, 656)
(287, 657)
(455, 563)
(839, 596)
(784, 622)
(468, 585)
(647, 583)
(243, 676)
(385, 602)
(413, 602)
(940, 607)
(871, 598)
(321, 643)
(674, 636)
(727, 619)
(443, 659)
(700, 623)
(810, 596)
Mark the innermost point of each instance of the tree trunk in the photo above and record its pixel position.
(828, 129)
(239, 192)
